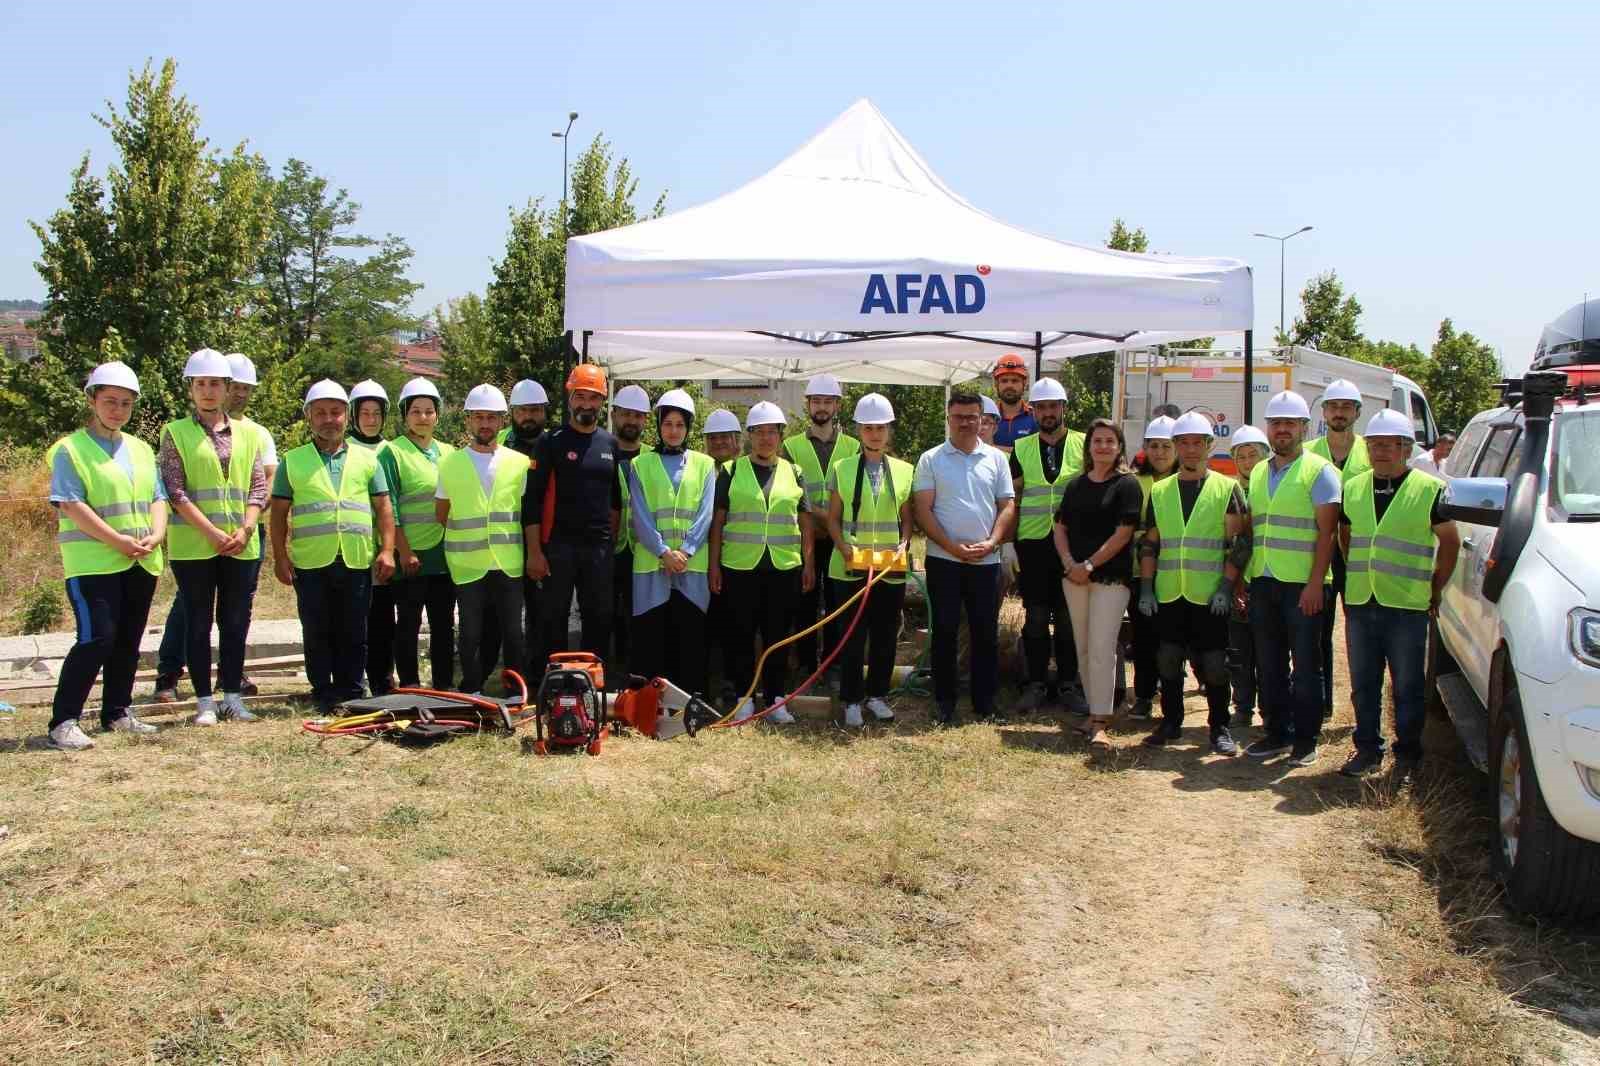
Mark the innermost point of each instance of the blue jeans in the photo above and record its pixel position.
(1291, 701)
(1382, 636)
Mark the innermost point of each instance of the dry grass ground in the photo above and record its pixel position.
(985, 895)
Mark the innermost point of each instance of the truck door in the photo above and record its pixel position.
(1479, 620)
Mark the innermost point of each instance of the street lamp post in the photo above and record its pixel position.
(1282, 241)
(572, 116)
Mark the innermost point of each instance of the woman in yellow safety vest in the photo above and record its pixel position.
(111, 514)
(216, 486)
(369, 413)
(672, 489)
(1156, 461)
(760, 555)
(869, 506)
(422, 577)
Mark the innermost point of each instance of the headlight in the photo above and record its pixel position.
(1583, 630)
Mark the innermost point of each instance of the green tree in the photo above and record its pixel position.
(158, 252)
(471, 356)
(1461, 377)
(1329, 319)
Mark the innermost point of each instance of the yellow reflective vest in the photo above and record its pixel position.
(123, 503)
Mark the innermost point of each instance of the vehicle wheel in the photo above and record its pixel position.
(1546, 870)
(1439, 663)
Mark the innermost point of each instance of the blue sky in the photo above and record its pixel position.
(1445, 153)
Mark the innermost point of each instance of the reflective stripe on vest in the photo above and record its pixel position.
(878, 524)
(1036, 508)
(327, 523)
(122, 504)
(803, 452)
(1283, 525)
(1354, 464)
(413, 497)
(221, 499)
(762, 523)
(673, 509)
(1191, 559)
(483, 533)
(1391, 560)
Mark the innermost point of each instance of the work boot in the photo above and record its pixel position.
(1032, 698)
(68, 736)
(1163, 734)
(166, 688)
(205, 712)
(852, 716)
(879, 709)
(127, 723)
(233, 707)
(1361, 763)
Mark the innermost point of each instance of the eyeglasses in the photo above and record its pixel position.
(965, 418)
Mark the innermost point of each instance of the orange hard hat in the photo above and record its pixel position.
(1010, 363)
(587, 376)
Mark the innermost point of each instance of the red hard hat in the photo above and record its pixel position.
(587, 376)
(1010, 363)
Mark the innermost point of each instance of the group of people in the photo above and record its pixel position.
(671, 553)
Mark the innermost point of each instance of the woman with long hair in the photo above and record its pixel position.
(1094, 528)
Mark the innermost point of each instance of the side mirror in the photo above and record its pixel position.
(1480, 501)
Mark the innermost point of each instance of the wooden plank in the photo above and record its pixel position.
(275, 663)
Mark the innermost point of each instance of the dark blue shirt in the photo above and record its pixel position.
(1011, 428)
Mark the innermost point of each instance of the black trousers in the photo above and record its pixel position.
(971, 587)
(759, 604)
(874, 641)
(499, 592)
(670, 641)
(1334, 593)
(1046, 627)
(1191, 633)
(1146, 644)
(585, 568)
(219, 589)
(436, 594)
(332, 602)
(621, 602)
(111, 610)
(812, 605)
(1242, 664)
(380, 640)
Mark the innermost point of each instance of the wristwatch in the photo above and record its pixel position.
(1088, 566)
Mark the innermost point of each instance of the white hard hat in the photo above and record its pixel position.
(1391, 423)
(207, 363)
(244, 371)
(528, 393)
(1159, 429)
(676, 398)
(1193, 424)
(874, 409)
(634, 398)
(1046, 389)
(419, 387)
(485, 398)
(990, 408)
(326, 389)
(1247, 435)
(1341, 390)
(1288, 404)
(765, 413)
(824, 385)
(369, 390)
(722, 420)
(119, 374)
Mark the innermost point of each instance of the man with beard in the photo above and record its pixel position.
(629, 410)
(1294, 508)
(1042, 464)
(570, 515)
(1347, 451)
(529, 405)
(816, 450)
(478, 502)
(1016, 418)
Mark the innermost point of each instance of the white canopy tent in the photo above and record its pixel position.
(851, 256)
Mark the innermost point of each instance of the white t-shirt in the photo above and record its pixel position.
(483, 463)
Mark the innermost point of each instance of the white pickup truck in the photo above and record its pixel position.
(1514, 656)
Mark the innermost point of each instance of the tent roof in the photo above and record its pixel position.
(800, 249)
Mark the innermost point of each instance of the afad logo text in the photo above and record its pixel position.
(922, 294)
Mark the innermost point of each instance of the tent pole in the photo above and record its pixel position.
(1038, 355)
(1249, 376)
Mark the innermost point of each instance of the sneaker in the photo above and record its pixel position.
(1303, 757)
(1361, 763)
(205, 712)
(247, 687)
(1072, 696)
(129, 724)
(166, 688)
(1162, 736)
(879, 709)
(1031, 700)
(69, 737)
(233, 707)
(779, 715)
(1268, 747)
(743, 712)
(1140, 709)
(1222, 743)
(852, 716)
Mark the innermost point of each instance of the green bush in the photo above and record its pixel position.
(42, 609)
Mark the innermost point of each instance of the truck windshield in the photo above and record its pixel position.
(1578, 469)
